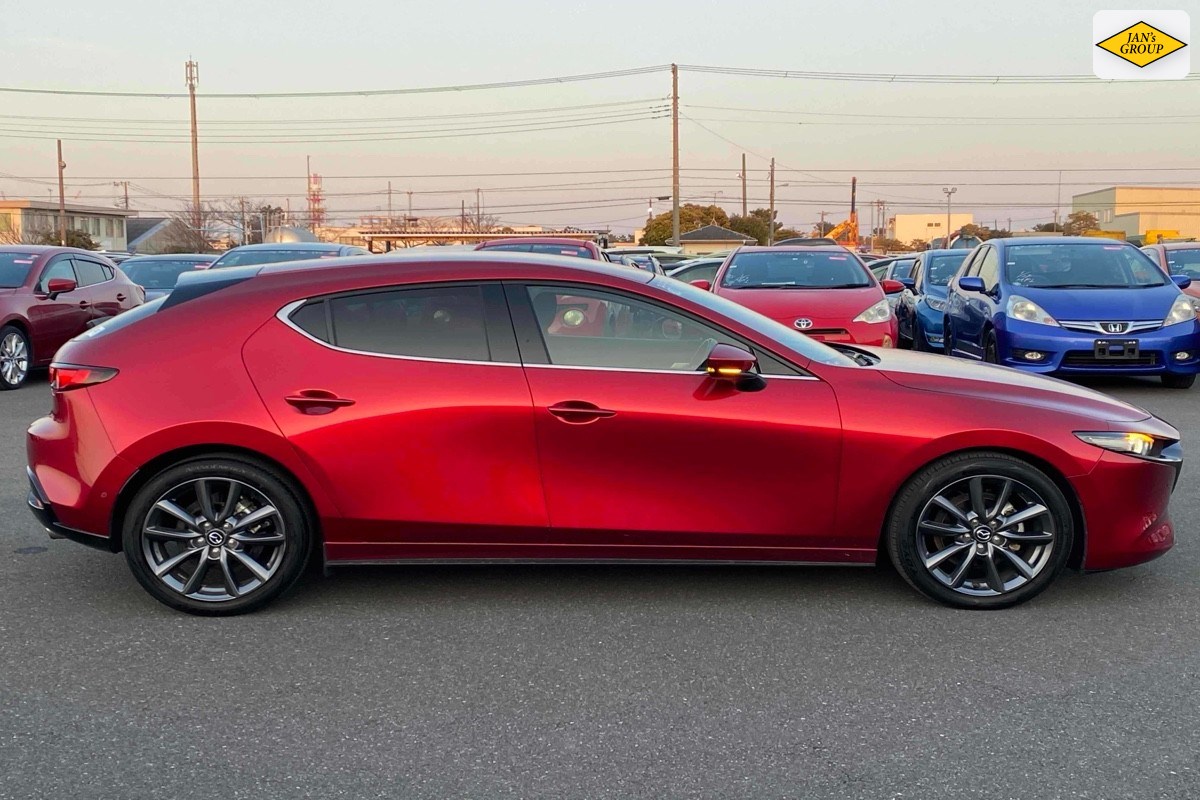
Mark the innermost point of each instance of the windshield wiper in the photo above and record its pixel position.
(1079, 286)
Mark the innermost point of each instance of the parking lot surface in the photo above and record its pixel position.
(622, 682)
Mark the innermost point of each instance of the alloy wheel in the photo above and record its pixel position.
(986, 535)
(14, 358)
(214, 539)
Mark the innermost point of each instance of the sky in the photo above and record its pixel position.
(609, 140)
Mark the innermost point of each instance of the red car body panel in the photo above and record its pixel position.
(830, 311)
(50, 322)
(445, 459)
(1159, 254)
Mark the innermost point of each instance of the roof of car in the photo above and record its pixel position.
(464, 260)
(794, 248)
(533, 240)
(176, 257)
(44, 248)
(1177, 245)
(1056, 240)
(299, 246)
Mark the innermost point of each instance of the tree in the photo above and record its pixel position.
(1081, 222)
(822, 228)
(918, 245)
(893, 245)
(1048, 227)
(691, 217)
(750, 225)
(74, 239)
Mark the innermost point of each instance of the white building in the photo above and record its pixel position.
(926, 227)
(21, 221)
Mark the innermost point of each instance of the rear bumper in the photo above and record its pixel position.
(1070, 352)
(39, 506)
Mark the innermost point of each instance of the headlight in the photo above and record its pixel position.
(935, 303)
(1027, 311)
(879, 312)
(1182, 310)
(1133, 443)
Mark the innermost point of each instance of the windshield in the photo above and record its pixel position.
(243, 258)
(940, 268)
(1184, 262)
(543, 247)
(14, 268)
(795, 269)
(790, 339)
(1081, 266)
(158, 274)
(903, 269)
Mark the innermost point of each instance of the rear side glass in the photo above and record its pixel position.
(89, 272)
(443, 322)
(312, 320)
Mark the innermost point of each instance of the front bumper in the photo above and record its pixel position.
(1070, 352)
(1126, 510)
(930, 322)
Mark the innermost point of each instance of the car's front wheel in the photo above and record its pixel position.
(16, 356)
(217, 536)
(1172, 380)
(980, 530)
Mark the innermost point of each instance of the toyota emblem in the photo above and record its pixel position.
(804, 323)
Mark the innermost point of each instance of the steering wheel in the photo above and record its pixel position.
(701, 353)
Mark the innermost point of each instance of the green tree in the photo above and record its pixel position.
(74, 239)
(918, 245)
(1048, 227)
(1080, 222)
(822, 228)
(691, 217)
(750, 225)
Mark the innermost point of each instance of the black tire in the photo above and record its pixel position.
(1174, 381)
(12, 374)
(991, 353)
(284, 538)
(947, 337)
(920, 343)
(908, 541)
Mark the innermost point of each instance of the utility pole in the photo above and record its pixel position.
(242, 206)
(478, 212)
(821, 230)
(410, 203)
(193, 76)
(744, 185)
(389, 203)
(949, 194)
(771, 216)
(675, 155)
(62, 199)
(462, 218)
(125, 184)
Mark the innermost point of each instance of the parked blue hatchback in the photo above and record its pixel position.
(922, 308)
(1072, 306)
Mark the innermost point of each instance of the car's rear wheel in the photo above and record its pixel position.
(217, 536)
(920, 343)
(980, 530)
(16, 356)
(947, 337)
(1174, 381)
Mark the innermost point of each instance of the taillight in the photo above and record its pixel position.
(64, 377)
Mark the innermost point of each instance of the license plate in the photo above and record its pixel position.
(1115, 349)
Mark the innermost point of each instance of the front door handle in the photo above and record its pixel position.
(317, 401)
(578, 412)
(121, 298)
(84, 304)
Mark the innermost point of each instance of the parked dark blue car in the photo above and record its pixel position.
(921, 310)
(1072, 306)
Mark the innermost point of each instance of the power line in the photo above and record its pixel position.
(1104, 118)
(891, 77)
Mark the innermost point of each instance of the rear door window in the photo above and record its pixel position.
(445, 322)
(89, 272)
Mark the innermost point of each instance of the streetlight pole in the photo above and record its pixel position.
(949, 194)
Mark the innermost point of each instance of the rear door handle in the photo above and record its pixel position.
(84, 304)
(578, 412)
(121, 298)
(317, 401)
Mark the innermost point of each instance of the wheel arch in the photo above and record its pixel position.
(196, 451)
(1078, 546)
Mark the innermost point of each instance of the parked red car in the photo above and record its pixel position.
(547, 245)
(823, 291)
(364, 413)
(47, 296)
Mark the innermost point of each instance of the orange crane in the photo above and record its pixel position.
(846, 231)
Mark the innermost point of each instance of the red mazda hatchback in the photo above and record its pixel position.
(488, 406)
(826, 292)
(48, 295)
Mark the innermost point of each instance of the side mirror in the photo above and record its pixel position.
(908, 283)
(57, 286)
(892, 287)
(702, 284)
(1182, 281)
(727, 362)
(971, 283)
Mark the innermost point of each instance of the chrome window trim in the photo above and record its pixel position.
(284, 316)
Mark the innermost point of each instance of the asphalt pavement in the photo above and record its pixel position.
(596, 682)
